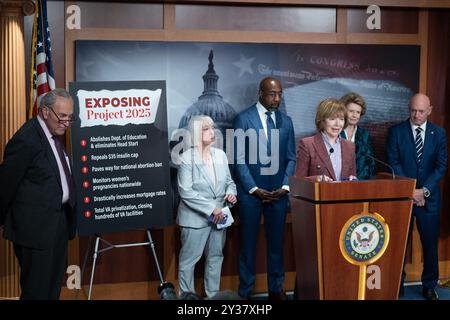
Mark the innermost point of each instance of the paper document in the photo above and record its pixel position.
(227, 220)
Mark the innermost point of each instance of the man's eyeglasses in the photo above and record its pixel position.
(272, 94)
(69, 120)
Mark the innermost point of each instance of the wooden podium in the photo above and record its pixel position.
(320, 211)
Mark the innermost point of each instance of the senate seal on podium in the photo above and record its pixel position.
(364, 238)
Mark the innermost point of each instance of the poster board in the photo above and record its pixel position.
(120, 156)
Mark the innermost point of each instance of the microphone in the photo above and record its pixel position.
(383, 163)
(320, 166)
(331, 150)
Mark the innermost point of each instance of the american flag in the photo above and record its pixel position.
(42, 77)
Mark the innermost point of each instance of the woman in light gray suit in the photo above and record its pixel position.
(205, 187)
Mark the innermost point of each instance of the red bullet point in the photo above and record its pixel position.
(84, 158)
(87, 214)
(86, 200)
(83, 143)
(84, 170)
(85, 184)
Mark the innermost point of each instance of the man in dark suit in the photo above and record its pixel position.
(264, 158)
(37, 196)
(417, 149)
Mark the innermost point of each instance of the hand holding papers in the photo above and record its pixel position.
(227, 219)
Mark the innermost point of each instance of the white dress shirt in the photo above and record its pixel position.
(263, 117)
(422, 133)
(65, 186)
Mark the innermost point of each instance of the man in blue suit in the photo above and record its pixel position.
(417, 149)
(264, 158)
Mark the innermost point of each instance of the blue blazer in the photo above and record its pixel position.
(401, 155)
(250, 158)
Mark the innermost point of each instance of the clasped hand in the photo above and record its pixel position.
(269, 196)
(419, 198)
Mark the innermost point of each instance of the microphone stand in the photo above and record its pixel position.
(383, 163)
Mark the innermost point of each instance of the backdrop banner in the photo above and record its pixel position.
(221, 79)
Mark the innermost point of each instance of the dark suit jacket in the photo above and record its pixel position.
(313, 158)
(30, 189)
(248, 172)
(402, 156)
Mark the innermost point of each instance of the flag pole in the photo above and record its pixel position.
(33, 61)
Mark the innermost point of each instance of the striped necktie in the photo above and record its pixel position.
(419, 144)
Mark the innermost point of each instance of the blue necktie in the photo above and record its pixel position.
(270, 126)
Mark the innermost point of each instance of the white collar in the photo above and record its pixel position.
(262, 110)
(423, 126)
(44, 127)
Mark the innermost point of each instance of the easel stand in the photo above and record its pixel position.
(110, 246)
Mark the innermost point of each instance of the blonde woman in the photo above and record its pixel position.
(356, 108)
(326, 156)
(206, 187)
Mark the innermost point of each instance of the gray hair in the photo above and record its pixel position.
(50, 97)
(195, 129)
